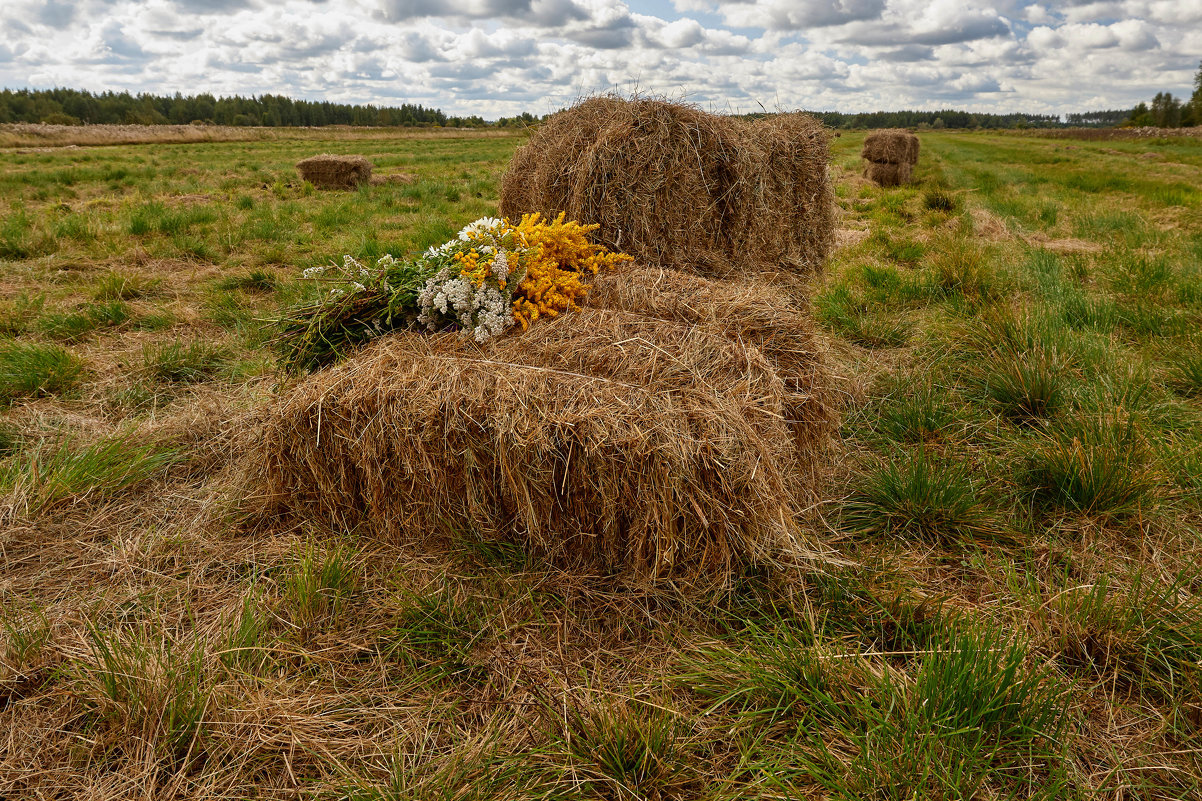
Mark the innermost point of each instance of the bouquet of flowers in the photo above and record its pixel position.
(493, 275)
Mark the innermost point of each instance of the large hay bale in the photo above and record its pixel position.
(891, 146)
(755, 313)
(677, 187)
(335, 172)
(601, 440)
(886, 173)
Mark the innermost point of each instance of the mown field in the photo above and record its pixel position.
(1015, 497)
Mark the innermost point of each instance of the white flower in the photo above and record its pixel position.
(500, 266)
(313, 272)
(485, 226)
(358, 287)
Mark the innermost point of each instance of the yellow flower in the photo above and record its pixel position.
(558, 253)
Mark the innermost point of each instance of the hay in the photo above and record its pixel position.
(335, 172)
(887, 174)
(891, 146)
(677, 187)
(602, 440)
(753, 313)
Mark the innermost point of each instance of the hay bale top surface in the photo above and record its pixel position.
(677, 187)
(757, 313)
(891, 146)
(327, 171)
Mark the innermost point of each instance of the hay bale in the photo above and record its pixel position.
(602, 440)
(754, 313)
(887, 174)
(677, 187)
(891, 146)
(335, 172)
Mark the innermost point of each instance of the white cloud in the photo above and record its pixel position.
(495, 57)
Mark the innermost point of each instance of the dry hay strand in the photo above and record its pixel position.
(754, 313)
(675, 186)
(887, 174)
(891, 146)
(392, 179)
(335, 172)
(849, 237)
(988, 225)
(601, 441)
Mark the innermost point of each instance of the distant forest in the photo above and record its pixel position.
(950, 118)
(75, 107)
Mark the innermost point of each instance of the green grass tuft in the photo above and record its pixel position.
(855, 321)
(318, 584)
(254, 281)
(923, 413)
(19, 314)
(1095, 465)
(51, 475)
(939, 200)
(915, 497)
(119, 286)
(1186, 374)
(74, 326)
(148, 692)
(180, 363)
(1026, 387)
(1149, 637)
(32, 370)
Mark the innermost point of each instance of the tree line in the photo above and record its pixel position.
(78, 107)
(1167, 111)
(948, 118)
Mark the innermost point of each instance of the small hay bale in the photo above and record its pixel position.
(602, 441)
(675, 186)
(335, 172)
(754, 313)
(891, 146)
(887, 174)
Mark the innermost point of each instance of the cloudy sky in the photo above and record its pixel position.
(500, 57)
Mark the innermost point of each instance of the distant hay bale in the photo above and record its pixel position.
(887, 174)
(677, 187)
(335, 172)
(603, 441)
(891, 146)
(755, 313)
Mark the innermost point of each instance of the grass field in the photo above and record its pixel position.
(1016, 496)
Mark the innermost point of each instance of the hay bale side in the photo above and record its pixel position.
(891, 146)
(886, 174)
(602, 441)
(335, 172)
(675, 186)
(754, 313)
(791, 212)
